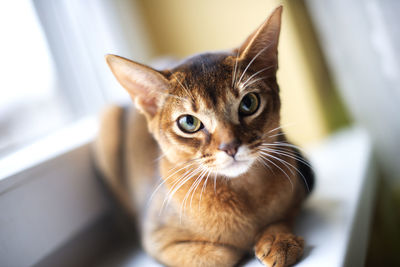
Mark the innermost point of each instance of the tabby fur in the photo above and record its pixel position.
(230, 189)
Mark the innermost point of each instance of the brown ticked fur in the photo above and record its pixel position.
(227, 216)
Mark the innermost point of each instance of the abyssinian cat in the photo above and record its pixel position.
(230, 182)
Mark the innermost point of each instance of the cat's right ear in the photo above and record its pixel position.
(144, 84)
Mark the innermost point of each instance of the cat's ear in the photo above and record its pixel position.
(262, 45)
(144, 84)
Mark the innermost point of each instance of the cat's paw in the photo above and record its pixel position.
(279, 250)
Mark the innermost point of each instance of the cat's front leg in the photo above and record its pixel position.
(178, 248)
(276, 246)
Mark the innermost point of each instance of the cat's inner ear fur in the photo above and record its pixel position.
(145, 85)
(262, 45)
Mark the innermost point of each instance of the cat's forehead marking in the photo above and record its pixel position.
(208, 76)
(206, 80)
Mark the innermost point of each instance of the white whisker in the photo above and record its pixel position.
(184, 88)
(163, 181)
(265, 164)
(183, 204)
(291, 165)
(289, 154)
(215, 183)
(264, 69)
(284, 162)
(280, 127)
(287, 145)
(235, 69)
(181, 181)
(254, 58)
(252, 82)
(273, 163)
(178, 184)
(204, 186)
(197, 185)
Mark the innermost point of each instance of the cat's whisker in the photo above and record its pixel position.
(264, 164)
(283, 153)
(162, 155)
(184, 88)
(294, 167)
(183, 204)
(275, 129)
(249, 79)
(166, 197)
(280, 127)
(163, 181)
(252, 82)
(192, 161)
(288, 153)
(178, 184)
(177, 181)
(284, 162)
(215, 183)
(235, 69)
(285, 144)
(159, 158)
(184, 167)
(273, 163)
(204, 186)
(197, 185)
(187, 89)
(275, 135)
(175, 96)
(252, 60)
(181, 181)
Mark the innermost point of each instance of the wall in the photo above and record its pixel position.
(181, 28)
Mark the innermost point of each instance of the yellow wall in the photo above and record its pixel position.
(183, 27)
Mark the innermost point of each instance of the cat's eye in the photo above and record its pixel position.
(249, 104)
(189, 124)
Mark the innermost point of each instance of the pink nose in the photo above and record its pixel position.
(230, 148)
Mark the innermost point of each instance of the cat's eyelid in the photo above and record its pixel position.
(249, 90)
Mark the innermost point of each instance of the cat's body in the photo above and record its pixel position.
(231, 183)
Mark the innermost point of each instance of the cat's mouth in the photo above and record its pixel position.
(235, 167)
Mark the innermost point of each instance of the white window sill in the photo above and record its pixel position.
(48, 196)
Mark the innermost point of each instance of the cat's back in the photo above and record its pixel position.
(125, 154)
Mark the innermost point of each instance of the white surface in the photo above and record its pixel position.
(342, 166)
(59, 143)
(47, 195)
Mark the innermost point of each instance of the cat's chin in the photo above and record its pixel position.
(236, 168)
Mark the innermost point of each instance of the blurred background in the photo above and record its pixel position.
(339, 65)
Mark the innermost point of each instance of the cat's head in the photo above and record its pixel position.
(213, 110)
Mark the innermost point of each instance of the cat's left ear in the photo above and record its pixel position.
(144, 84)
(262, 45)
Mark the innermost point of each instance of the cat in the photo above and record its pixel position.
(231, 184)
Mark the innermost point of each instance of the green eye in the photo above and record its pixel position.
(249, 104)
(189, 124)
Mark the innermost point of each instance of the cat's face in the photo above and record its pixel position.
(216, 115)
(213, 111)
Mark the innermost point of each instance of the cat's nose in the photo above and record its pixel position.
(230, 148)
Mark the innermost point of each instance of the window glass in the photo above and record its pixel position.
(29, 101)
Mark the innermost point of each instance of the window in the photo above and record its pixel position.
(30, 104)
(52, 68)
